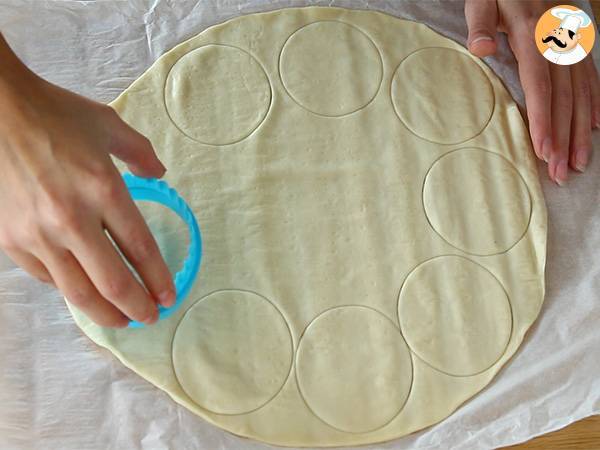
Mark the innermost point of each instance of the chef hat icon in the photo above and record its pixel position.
(571, 19)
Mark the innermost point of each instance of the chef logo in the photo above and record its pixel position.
(564, 35)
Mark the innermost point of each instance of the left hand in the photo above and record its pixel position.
(563, 102)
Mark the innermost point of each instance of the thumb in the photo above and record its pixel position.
(482, 22)
(135, 150)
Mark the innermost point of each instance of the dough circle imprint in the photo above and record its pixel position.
(455, 315)
(374, 232)
(217, 366)
(222, 91)
(346, 378)
(331, 68)
(435, 75)
(456, 205)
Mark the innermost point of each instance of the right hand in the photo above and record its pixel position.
(563, 102)
(60, 191)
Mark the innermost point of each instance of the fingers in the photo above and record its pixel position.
(594, 83)
(128, 228)
(79, 290)
(30, 264)
(562, 111)
(581, 132)
(105, 268)
(134, 149)
(482, 22)
(535, 79)
(114, 281)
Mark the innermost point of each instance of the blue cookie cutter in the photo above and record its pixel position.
(154, 190)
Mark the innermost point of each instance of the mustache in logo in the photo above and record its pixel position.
(556, 41)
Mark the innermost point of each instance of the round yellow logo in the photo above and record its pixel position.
(565, 35)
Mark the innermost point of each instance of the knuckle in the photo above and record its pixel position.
(146, 143)
(47, 183)
(81, 297)
(109, 112)
(524, 25)
(62, 256)
(57, 210)
(543, 87)
(99, 170)
(563, 96)
(531, 14)
(582, 90)
(531, 19)
(32, 235)
(117, 288)
(63, 216)
(110, 191)
(142, 248)
(145, 149)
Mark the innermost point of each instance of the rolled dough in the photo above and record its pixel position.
(374, 231)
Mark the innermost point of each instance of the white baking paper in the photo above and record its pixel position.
(58, 390)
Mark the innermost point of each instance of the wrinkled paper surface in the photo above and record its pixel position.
(59, 390)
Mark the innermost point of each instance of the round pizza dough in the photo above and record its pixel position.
(374, 230)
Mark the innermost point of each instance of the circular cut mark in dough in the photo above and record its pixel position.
(331, 68)
(232, 352)
(217, 94)
(455, 315)
(445, 106)
(477, 201)
(354, 369)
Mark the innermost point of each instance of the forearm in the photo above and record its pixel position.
(19, 89)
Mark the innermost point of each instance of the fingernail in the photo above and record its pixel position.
(167, 298)
(482, 38)
(581, 160)
(547, 149)
(560, 175)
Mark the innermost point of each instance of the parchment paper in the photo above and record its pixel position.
(58, 390)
